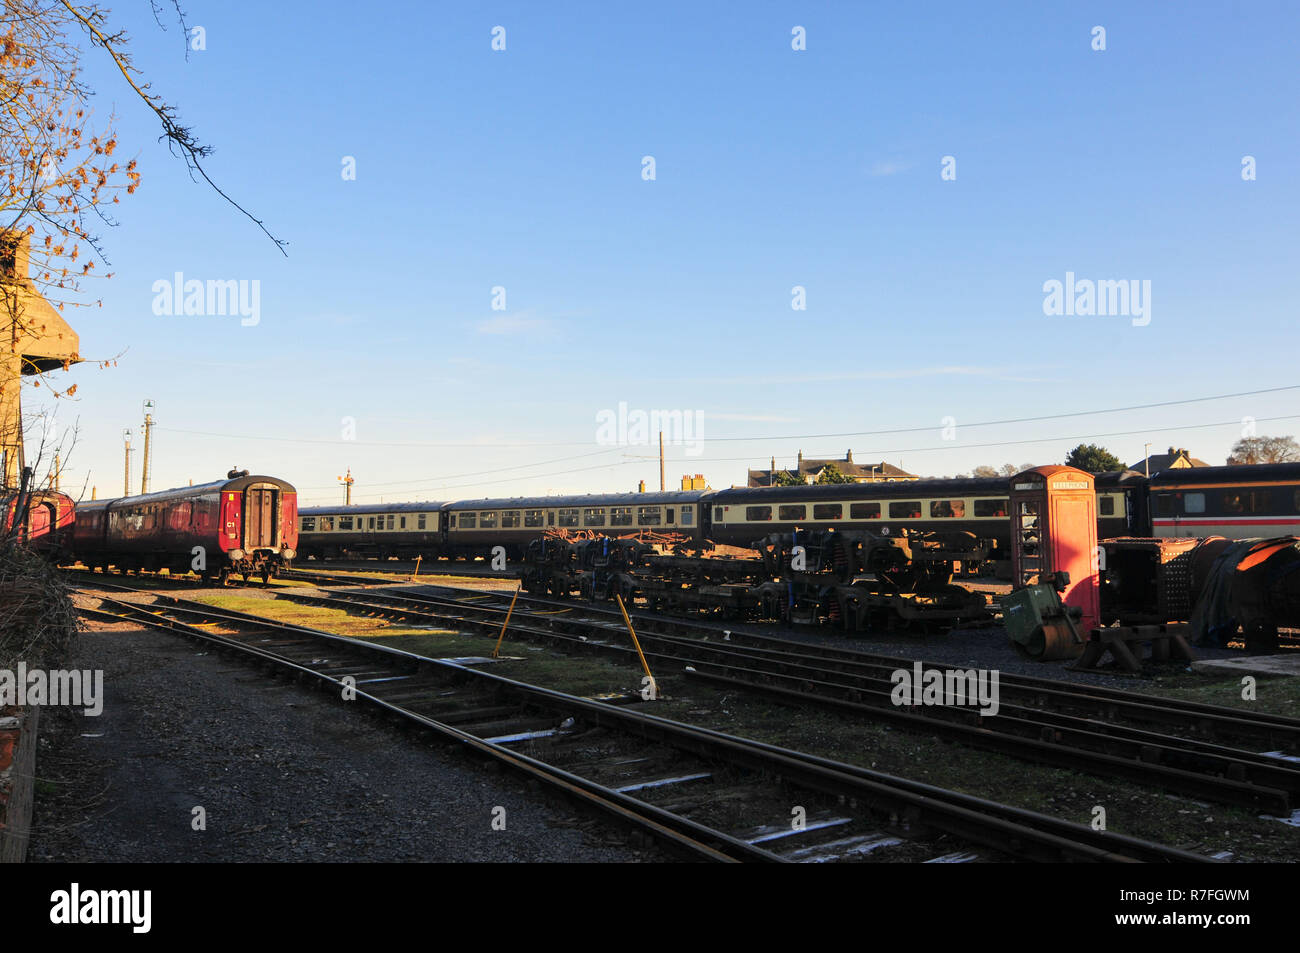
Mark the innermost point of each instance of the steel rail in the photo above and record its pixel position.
(1229, 775)
(952, 812)
(679, 832)
(1158, 707)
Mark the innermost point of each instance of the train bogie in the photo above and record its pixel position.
(974, 506)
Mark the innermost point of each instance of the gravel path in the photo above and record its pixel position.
(283, 774)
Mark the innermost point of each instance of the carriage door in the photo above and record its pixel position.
(259, 518)
(40, 521)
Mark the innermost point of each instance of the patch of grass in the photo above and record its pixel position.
(337, 621)
(1276, 695)
(578, 674)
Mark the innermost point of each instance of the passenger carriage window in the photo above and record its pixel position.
(467, 520)
(688, 515)
(326, 524)
(532, 517)
(717, 510)
(1106, 505)
(756, 514)
(1295, 500)
(390, 522)
(648, 516)
(401, 522)
(593, 517)
(309, 524)
(509, 519)
(345, 522)
(991, 508)
(1260, 502)
(947, 509)
(905, 509)
(792, 511)
(487, 521)
(1164, 504)
(620, 516)
(372, 522)
(864, 511)
(420, 521)
(670, 514)
(827, 511)
(569, 517)
(1192, 503)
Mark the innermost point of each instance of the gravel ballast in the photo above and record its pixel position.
(281, 773)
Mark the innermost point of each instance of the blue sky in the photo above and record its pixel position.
(775, 168)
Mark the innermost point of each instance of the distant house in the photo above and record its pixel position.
(808, 469)
(1175, 459)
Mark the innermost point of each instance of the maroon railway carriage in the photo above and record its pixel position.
(243, 524)
(47, 525)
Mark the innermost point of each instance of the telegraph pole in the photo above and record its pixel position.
(56, 471)
(144, 465)
(126, 476)
(661, 461)
(346, 482)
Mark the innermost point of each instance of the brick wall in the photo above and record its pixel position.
(17, 777)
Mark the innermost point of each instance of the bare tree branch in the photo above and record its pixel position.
(180, 139)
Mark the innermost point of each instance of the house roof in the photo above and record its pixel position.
(1176, 457)
(809, 468)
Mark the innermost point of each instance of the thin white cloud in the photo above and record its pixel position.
(512, 323)
(760, 418)
(994, 373)
(889, 167)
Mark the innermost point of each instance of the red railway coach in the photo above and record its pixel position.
(47, 525)
(243, 524)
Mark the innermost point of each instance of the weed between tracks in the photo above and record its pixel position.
(1276, 695)
(1130, 809)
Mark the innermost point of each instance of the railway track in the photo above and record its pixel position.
(1102, 731)
(704, 793)
(119, 580)
(318, 577)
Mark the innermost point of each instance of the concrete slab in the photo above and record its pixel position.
(1288, 664)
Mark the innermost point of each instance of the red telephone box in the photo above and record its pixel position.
(1054, 529)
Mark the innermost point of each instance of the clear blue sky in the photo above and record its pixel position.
(775, 168)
